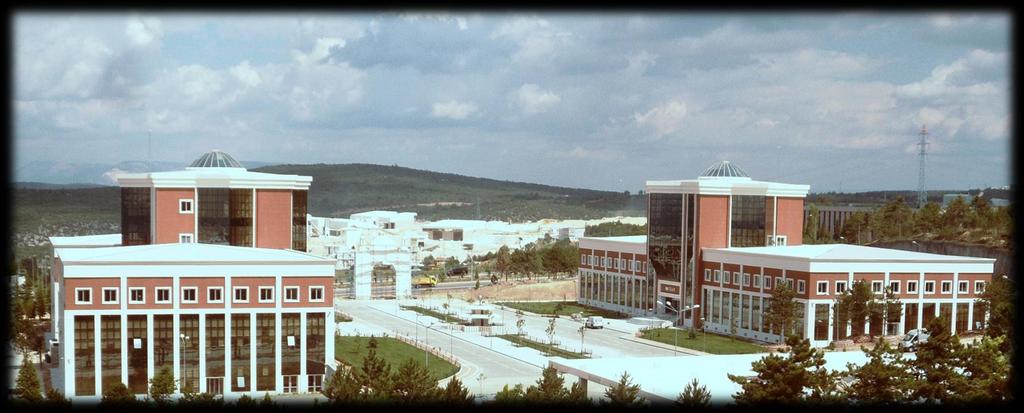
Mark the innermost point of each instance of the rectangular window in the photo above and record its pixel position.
(840, 287)
(83, 295)
(188, 295)
(822, 288)
(979, 287)
(707, 275)
(185, 238)
(163, 295)
(894, 286)
(316, 294)
(778, 281)
(240, 217)
(215, 295)
(746, 279)
(767, 282)
(135, 216)
(85, 355)
(214, 216)
(947, 287)
(185, 206)
(266, 294)
(136, 295)
(911, 287)
(718, 275)
(291, 294)
(110, 296)
(800, 286)
(241, 294)
(757, 280)
(748, 220)
(300, 200)
(929, 287)
(962, 287)
(583, 260)
(736, 278)
(876, 287)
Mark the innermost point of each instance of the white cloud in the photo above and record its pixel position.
(537, 38)
(665, 119)
(453, 110)
(321, 50)
(245, 74)
(533, 100)
(143, 31)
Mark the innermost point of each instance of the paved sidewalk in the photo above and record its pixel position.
(683, 350)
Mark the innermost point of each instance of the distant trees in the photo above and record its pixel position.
(974, 222)
(614, 229)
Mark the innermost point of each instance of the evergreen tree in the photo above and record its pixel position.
(811, 231)
(343, 387)
(117, 395)
(246, 402)
(986, 368)
(54, 398)
(934, 368)
(503, 261)
(694, 395)
(781, 310)
(515, 395)
(375, 376)
(883, 379)
(412, 383)
(267, 402)
(998, 298)
(980, 216)
(456, 393)
(550, 388)
(28, 385)
(624, 393)
(954, 218)
(161, 386)
(578, 394)
(855, 306)
(799, 377)
(928, 218)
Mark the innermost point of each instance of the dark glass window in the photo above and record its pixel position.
(240, 337)
(110, 339)
(315, 349)
(214, 345)
(241, 217)
(138, 381)
(135, 216)
(214, 217)
(266, 377)
(748, 221)
(163, 342)
(291, 338)
(665, 234)
(299, 202)
(188, 328)
(85, 356)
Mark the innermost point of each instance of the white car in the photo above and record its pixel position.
(914, 337)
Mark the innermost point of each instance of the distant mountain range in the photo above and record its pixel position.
(55, 172)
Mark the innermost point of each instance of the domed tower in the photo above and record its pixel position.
(215, 200)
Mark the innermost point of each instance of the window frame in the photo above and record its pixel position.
(220, 291)
(778, 280)
(757, 281)
(736, 278)
(801, 286)
(979, 283)
(746, 279)
(912, 287)
(103, 295)
(966, 287)
(322, 290)
(946, 287)
(156, 295)
(927, 284)
(260, 290)
(288, 289)
(234, 295)
(88, 291)
(195, 295)
(840, 290)
(880, 289)
(183, 235)
(818, 291)
(131, 298)
(707, 275)
(191, 206)
(717, 276)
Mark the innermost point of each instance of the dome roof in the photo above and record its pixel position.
(215, 159)
(724, 169)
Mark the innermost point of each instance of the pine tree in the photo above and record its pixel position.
(343, 387)
(515, 395)
(375, 375)
(118, 395)
(161, 386)
(578, 394)
(694, 395)
(412, 383)
(934, 367)
(28, 381)
(456, 393)
(999, 300)
(267, 402)
(54, 398)
(986, 368)
(245, 402)
(550, 388)
(781, 310)
(503, 261)
(624, 393)
(799, 377)
(883, 379)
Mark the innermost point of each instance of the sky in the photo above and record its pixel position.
(590, 100)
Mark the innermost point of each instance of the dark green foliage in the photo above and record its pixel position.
(578, 394)
(455, 393)
(28, 386)
(161, 386)
(614, 229)
(375, 376)
(999, 299)
(781, 311)
(267, 401)
(694, 395)
(515, 395)
(54, 398)
(799, 377)
(884, 379)
(412, 383)
(246, 402)
(117, 395)
(550, 388)
(343, 387)
(935, 375)
(624, 393)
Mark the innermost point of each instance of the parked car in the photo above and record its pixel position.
(914, 337)
(594, 322)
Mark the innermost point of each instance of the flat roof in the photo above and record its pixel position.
(100, 240)
(706, 185)
(186, 253)
(637, 239)
(661, 379)
(214, 178)
(848, 253)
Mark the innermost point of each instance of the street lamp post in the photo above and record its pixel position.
(184, 340)
(675, 331)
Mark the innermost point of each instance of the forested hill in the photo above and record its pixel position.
(340, 190)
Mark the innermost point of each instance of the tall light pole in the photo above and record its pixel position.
(675, 331)
(426, 350)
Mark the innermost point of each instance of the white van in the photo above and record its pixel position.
(594, 322)
(913, 337)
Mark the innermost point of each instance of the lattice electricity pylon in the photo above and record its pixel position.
(922, 150)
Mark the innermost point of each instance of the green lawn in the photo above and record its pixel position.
(545, 348)
(568, 308)
(352, 350)
(438, 315)
(716, 344)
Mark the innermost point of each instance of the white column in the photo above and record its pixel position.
(253, 217)
(176, 348)
(303, 381)
(920, 300)
(810, 319)
(202, 353)
(955, 287)
(849, 284)
(68, 354)
(228, 296)
(831, 321)
(329, 327)
(97, 355)
(970, 315)
(279, 379)
(125, 342)
(903, 319)
(149, 348)
(252, 354)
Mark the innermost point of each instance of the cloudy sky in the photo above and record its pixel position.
(600, 101)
